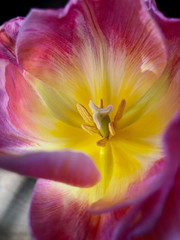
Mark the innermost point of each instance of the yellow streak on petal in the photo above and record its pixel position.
(60, 105)
(106, 166)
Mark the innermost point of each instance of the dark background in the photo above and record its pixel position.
(15, 8)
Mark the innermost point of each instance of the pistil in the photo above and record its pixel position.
(101, 117)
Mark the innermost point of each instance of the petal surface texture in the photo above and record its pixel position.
(59, 216)
(68, 167)
(10, 138)
(169, 215)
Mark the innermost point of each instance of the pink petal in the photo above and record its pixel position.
(8, 34)
(170, 28)
(167, 226)
(51, 44)
(127, 23)
(70, 167)
(9, 31)
(50, 59)
(160, 209)
(10, 138)
(56, 215)
(6, 55)
(25, 109)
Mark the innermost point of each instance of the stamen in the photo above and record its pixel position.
(89, 129)
(101, 103)
(100, 122)
(111, 129)
(102, 142)
(85, 114)
(120, 110)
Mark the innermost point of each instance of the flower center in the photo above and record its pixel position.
(99, 122)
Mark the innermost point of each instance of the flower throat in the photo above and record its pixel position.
(99, 122)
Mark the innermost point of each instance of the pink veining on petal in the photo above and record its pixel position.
(54, 214)
(10, 138)
(26, 111)
(103, 23)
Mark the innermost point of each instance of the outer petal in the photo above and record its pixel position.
(56, 215)
(75, 47)
(161, 205)
(26, 111)
(170, 28)
(69, 167)
(168, 224)
(9, 32)
(10, 138)
(8, 35)
(52, 62)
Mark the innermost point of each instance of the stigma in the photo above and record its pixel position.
(99, 121)
(101, 117)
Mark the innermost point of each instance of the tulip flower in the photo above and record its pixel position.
(89, 106)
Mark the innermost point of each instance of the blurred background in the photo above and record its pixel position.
(15, 190)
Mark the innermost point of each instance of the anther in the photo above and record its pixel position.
(111, 129)
(120, 110)
(89, 129)
(85, 114)
(102, 142)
